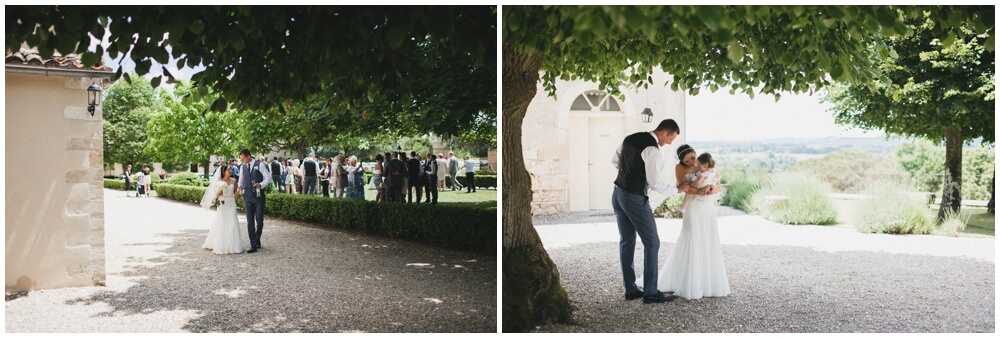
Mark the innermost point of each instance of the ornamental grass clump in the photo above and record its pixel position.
(794, 198)
(891, 208)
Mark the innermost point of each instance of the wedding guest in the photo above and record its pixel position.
(128, 180)
(427, 180)
(276, 172)
(356, 179)
(147, 180)
(324, 176)
(406, 175)
(290, 177)
(442, 170)
(413, 178)
(453, 171)
(309, 170)
(339, 176)
(395, 173)
(470, 175)
(432, 170)
(377, 178)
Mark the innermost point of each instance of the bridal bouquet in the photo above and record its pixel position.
(218, 187)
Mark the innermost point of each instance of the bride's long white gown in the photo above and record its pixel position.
(695, 268)
(224, 237)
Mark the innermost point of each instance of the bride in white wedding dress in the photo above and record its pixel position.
(224, 237)
(695, 268)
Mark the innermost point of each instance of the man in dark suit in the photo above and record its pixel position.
(396, 173)
(413, 177)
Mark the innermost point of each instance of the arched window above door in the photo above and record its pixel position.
(595, 100)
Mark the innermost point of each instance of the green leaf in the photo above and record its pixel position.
(142, 67)
(396, 36)
(90, 59)
(736, 52)
(197, 26)
(219, 105)
(155, 82)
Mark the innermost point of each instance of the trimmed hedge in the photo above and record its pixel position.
(189, 179)
(463, 226)
(114, 184)
(482, 181)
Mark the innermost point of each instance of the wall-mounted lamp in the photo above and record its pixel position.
(647, 115)
(93, 98)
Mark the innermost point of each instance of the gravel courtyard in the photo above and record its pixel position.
(304, 279)
(784, 279)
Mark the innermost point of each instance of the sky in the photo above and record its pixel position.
(720, 116)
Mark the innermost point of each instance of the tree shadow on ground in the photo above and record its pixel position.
(788, 289)
(311, 280)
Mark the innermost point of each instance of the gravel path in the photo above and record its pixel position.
(305, 279)
(787, 279)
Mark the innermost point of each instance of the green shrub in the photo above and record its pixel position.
(188, 179)
(482, 181)
(181, 193)
(890, 209)
(807, 200)
(463, 226)
(739, 191)
(114, 184)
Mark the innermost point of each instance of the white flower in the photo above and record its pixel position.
(219, 186)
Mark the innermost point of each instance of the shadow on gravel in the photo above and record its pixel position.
(788, 289)
(312, 280)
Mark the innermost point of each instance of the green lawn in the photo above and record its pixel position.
(481, 195)
(980, 222)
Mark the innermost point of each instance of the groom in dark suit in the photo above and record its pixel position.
(254, 178)
(636, 162)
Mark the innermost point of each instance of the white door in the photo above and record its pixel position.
(604, 137)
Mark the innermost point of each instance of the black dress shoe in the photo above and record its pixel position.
(658, 298)
(634, 295)
(252, 250)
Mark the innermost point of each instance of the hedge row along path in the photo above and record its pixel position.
(305, 279)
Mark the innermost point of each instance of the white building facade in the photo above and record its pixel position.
(568, 141)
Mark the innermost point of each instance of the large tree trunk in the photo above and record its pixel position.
(532, 294)
(951, 197)
(993, 190)
(207, 165)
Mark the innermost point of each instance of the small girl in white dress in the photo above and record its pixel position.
(703, 178)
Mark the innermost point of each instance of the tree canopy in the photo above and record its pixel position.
(266, 57)
(931, 85)
(750, 49)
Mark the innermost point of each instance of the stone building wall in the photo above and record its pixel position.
(54, 191)
(551, 140)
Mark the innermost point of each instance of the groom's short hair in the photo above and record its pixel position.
(245, 151)
(669, 125)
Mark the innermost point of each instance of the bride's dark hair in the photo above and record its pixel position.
(683, 150)
(222, 171)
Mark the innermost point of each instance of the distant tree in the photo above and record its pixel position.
(127, 108)
(935, 87)
(191, 132)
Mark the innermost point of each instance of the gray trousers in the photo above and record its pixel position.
(635, 217)
(309, 185)
(454, 181)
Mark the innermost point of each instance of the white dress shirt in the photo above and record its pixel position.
(651, 157)
(265, 170)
